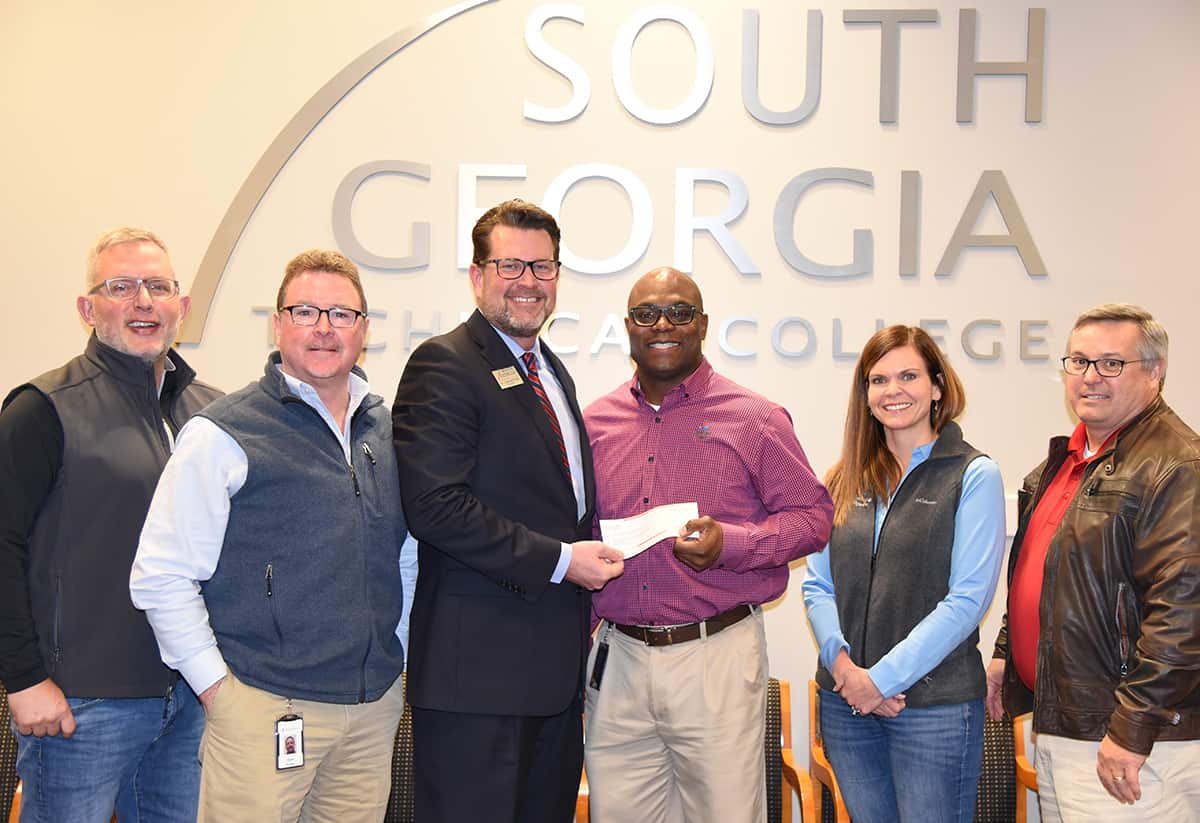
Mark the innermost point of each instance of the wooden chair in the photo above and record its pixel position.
(783, 776)
(831, 807)
(1026, 773)
(778, 748)
(581, 802)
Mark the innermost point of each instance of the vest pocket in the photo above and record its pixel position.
(270, 581)
(58, 606)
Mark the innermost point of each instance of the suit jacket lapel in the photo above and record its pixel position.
(498, 356)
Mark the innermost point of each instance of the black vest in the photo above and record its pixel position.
(881, 598)
(93, 642)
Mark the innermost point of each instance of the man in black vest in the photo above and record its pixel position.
(102, 724)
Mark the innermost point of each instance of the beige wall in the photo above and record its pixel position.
(154, 114)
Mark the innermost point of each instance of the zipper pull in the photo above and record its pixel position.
(367, 451)
(354, 477)
(268, 580)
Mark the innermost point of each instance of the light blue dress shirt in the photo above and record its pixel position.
(975, 560)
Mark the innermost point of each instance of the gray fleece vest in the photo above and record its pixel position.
(881, 598)
(306, 597)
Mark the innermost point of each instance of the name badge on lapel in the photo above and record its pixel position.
(507, 377)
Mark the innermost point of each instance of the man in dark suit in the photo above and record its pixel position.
(496, 476)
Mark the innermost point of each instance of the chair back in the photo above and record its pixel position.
(772, 743)
(831, 806)
(400, 807)
(996, 794)
(8, 757)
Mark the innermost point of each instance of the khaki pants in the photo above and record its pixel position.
(675, 733)
(1069, 789)
(346, 776)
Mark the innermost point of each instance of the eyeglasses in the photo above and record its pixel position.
(127, 288)
(511, 268)
(679, 315)
(340, 317)
(1104, 366)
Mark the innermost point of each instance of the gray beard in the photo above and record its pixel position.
(505, 322)
(145, 357)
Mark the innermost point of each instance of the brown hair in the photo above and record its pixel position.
(867, 466)
(322, 260)
(517, 214)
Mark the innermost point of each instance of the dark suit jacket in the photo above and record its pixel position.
(487, 496)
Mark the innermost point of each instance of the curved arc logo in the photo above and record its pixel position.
(268, 167)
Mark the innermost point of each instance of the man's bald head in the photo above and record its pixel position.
(667, 278)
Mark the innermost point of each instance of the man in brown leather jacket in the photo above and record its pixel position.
(1102, 634)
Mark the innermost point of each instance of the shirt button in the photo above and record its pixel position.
(658, 420)
(645, 500)
(645, 586)
(651, 458)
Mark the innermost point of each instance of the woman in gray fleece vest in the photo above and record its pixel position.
(896, 598)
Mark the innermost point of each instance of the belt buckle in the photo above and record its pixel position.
(649, 632)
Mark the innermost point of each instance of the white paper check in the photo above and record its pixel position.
(633, 535)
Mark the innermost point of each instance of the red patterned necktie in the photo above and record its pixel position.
(535, 381)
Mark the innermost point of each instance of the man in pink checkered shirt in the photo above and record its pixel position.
(678, 669)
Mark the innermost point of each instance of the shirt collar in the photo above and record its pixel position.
(694, 383)
(359, 389)
(517, 349)
(1077, 444)
(922, 452)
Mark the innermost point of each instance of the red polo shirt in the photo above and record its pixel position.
(1025, 593)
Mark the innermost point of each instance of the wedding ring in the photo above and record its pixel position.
(854, 711)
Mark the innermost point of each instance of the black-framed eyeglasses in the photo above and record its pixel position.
(340, 317)
(511, 268)
(127, 288)
(1104, 366)
(679, 315)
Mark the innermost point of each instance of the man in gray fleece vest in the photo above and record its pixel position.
(272, 568)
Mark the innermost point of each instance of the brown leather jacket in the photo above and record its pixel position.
(1119, 650)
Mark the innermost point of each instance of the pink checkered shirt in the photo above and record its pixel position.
(733, 452)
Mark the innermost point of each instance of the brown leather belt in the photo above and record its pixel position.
(668, 635)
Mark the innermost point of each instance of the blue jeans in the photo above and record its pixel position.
(922, 765)
(137, 756)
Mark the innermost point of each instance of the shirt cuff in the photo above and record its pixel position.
(885, 679)
(735, 542)
(25, 679)
(564, 560)
(832, 648)
(204, 669)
